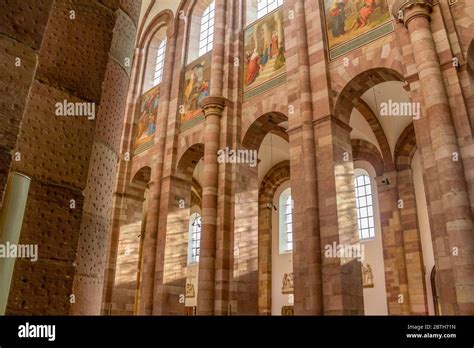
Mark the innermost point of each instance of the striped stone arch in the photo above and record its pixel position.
(361, 83)
(188, 160)
(270, 183)
(267, 123)
(163, 19)
(405, 148)
(366, 151)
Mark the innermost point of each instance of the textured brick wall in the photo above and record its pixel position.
(73, 61)
(95, 227)
(22, 28)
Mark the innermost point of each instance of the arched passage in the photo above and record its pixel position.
(269, 185)
(381, 114)
(125, 296)
(175, 225)
(266, 139)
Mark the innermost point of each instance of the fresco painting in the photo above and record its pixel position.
(146, 125)
(348, 20)
(196, 87)
(264, 50)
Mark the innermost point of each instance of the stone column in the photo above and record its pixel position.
(149, 260)
(304, 191)
(452, 183)
(22, 26)
(90, 274)
(412, 244)
(396, 282)
(213, 108)
(342, 278)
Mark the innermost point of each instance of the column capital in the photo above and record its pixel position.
(406, 10)
(213, 105)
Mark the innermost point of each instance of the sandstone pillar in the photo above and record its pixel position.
(213, 108)
(89, 279)
(396, 282)
(342, 278)
(452, 183)
(307, 242)
(20, 41)
(149, 260)
(412, 243)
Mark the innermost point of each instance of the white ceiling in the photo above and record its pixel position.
(273, 150)
(393, 126)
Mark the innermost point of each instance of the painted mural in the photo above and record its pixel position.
(353, 23)
(146, 125)
(264, 50)
(196, 87)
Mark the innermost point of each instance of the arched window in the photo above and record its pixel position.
(286, 221)
(206, 37)
(160, 63)
(365, 207)
(266, 6)
(194, 238)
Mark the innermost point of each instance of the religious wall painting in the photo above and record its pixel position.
(351, 24)
(287, 311)
(264, 63)
(197, 84)
(146, 124)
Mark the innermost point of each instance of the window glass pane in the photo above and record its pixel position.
(266, 6)
(195, 237)
(285, 221)
(206, 38)
(160, 63)
(364, 205)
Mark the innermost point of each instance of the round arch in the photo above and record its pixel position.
(267, 123)
(272, 180)
(360, 84)
(405, 148)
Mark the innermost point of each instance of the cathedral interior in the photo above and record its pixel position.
(237, 157)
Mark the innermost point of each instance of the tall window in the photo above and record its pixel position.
(194, 238)
(286, 221)
(266, 6)
(365, 208)
(160, 63)
(206, 38)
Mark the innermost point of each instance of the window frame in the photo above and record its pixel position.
(285, 236)
(194, 242)
(365, 205)
(206, 30)
(265, 7)
(159, 63)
